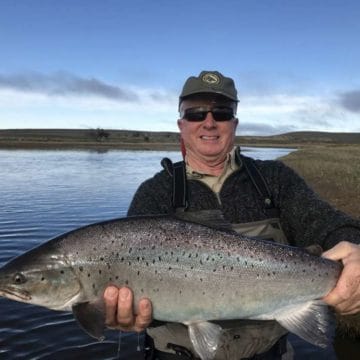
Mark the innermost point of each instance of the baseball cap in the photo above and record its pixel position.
(209, 82)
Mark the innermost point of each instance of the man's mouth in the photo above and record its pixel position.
(209, 138)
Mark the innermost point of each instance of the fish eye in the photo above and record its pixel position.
(19, 278)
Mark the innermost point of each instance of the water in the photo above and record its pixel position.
(46, 193)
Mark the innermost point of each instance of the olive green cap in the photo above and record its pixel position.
(209, 82)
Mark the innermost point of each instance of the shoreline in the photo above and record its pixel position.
(101, 139)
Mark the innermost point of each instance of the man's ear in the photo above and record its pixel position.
(180, 123)
(236, 122)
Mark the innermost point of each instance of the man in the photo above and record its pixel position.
(259, 198)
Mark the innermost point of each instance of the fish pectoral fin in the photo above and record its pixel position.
(91, 317)
(204, 337)
(313, 321)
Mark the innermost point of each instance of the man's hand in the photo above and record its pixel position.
(345, 297)
(119, 310)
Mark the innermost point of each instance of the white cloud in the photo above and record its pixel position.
(156, 109)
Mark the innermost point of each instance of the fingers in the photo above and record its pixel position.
(345, 297)
(125, 316)
(111, 300)
(144, 316)
(340, 251)
(119, 310)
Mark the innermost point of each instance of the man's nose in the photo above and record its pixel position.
(209, 121)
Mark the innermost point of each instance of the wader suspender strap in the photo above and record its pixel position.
(179, 185)
(260, 185)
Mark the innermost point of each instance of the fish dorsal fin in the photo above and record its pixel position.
(313, 321)
(211, 218)
(91, 317)
(205, 338)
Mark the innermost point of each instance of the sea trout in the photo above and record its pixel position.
(191, 272)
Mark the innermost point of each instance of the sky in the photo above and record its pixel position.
(121, 64)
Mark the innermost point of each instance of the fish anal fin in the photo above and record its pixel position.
(91, 317)
(204, 337)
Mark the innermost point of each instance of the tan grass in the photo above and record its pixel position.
(333, 172)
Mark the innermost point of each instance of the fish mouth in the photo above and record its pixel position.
(15, 294)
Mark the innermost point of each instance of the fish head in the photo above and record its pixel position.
(41, 278)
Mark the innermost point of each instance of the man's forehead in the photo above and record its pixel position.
(206, 99)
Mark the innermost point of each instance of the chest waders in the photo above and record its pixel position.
(240, 339)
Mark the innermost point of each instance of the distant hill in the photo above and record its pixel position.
(128, 139)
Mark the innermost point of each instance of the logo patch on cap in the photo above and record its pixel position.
(210, 79)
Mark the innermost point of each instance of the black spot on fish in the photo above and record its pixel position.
(159, 258)
(99, 271)
(170, 268)
(88, 274)
(153, 261)
(130, 250)
(81, 268)
(61, 271)
(42, 279)
(101, 259)
(138, 272)
(127, 282)
(93, 285)
(201, 279)
(117, 277)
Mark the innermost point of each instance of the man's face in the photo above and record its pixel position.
(208, 138)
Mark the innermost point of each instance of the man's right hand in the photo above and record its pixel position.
(120, 312)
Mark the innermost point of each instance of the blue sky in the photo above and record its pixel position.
(121, 64)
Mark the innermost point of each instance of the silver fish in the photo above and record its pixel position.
(191, 272)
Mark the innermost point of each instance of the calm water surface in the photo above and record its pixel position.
(46, 193)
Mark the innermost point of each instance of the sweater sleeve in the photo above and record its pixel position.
(307, 218)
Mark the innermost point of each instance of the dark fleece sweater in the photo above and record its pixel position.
(305, 218)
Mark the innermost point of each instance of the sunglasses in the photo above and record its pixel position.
(200, 113)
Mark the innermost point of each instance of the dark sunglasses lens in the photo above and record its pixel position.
(219, 114)
(195, 115)
(222, 114)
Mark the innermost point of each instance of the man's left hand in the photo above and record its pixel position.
(345, 297)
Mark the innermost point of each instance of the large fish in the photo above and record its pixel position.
(191, 272)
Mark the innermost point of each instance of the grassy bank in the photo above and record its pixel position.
(333, 172)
